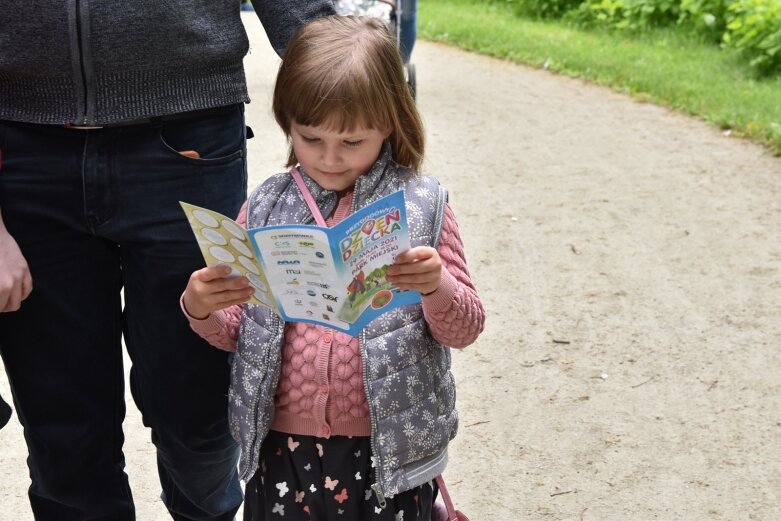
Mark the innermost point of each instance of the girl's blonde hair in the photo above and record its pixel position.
(346, 72)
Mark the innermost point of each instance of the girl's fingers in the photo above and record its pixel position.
(416, 254)
(220, 284)
(228, 298)
(404, 257)
(202, 297)
(212, 273)
(235, 302)
(423, 282)
(414, 268)
(238, 283)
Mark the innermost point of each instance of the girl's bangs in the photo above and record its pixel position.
(342, 106)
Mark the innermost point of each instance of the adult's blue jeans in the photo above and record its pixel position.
(96, 212)
(408, 29)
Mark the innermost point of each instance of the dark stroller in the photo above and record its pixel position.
(388, 11)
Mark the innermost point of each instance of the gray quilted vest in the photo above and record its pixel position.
(410, 389)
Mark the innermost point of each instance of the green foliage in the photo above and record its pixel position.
(751, 26)
(545, 8)
(705, 17)
(754, 26)
(606, 13)
(634, 15)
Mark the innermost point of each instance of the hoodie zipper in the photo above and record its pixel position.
(82, 71)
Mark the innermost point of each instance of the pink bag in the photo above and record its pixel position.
(444, 510)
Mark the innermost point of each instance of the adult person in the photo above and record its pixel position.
(5, 412)
(110, 114)
(408, 28)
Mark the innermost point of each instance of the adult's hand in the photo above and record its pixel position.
(16, 283)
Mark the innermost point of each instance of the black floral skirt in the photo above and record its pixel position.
(304, 478)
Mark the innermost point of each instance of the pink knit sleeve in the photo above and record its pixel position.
(221, 328)
(454, 313)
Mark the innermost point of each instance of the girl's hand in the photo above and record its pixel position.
(419, 269)
(209, 290)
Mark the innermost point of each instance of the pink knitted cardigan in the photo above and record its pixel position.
(320, 391)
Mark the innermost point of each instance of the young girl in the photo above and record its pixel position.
(334, 427)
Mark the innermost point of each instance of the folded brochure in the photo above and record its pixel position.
(329, 276)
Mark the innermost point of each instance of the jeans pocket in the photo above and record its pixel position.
(214, 138)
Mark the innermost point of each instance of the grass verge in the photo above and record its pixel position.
(663, 66)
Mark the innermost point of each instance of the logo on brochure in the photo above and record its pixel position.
(370, 232)
(381, 299)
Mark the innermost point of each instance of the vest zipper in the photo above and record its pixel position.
(376, 487)
(279, 326)
(380, 496)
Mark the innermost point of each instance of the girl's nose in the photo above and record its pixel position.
(331, 156)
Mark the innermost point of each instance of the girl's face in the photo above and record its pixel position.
(334, 159)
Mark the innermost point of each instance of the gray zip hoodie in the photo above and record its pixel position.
(94, 62)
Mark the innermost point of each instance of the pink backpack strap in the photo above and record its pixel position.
(310, 201)
(452, 513)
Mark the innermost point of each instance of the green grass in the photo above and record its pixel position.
(664, 66)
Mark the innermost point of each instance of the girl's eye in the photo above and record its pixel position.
(353, 143)
(310, 139)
